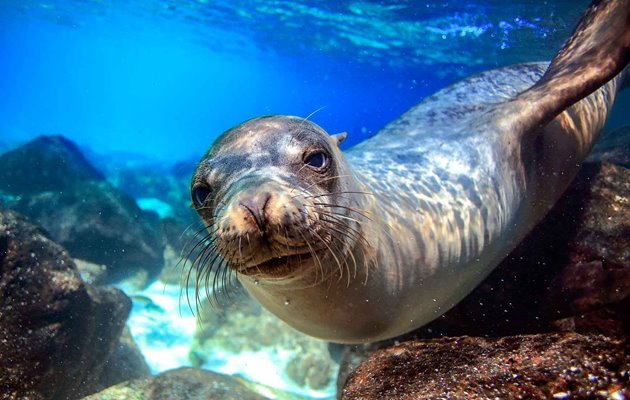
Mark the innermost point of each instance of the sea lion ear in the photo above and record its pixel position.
(339, 137)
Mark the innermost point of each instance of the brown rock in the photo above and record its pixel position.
(190, 383)
(45, 163)
(56, 332)
(559, 365)
(98, 223)
(126, 362)
(181, 384)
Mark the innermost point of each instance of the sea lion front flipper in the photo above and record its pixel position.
(598, 50)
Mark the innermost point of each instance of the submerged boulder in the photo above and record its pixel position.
(98, 223)
(126, 362)
(56, 332)
(46, 163)
(54, 185)
(180, 384)
(161, 187)
(543, 366)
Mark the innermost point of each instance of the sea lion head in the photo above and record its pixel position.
(274, 193)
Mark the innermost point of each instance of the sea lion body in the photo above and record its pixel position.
(424, 211)
(448, 204)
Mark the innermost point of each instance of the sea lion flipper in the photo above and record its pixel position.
(598, 50)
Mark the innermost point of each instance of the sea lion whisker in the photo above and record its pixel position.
(333, 218)
(187, 284)
(349, 231)
(204, 262)
(204, 227)
(329, 178)
(299, 257)
(344, 220)
(286, 237)
(343, 248)
(338, 193)
(206, 204)
(212, 271)
(351, 209)
(305, 189)
(314, 256)
(338, 215)
(301, 124)
(345, 261)
(225, 271)
(357, 235)
(216, 288)
(227, 274)
(347, 235)
(207, 245)
(183, 258)
(200, 262)
(300, 170)
(317, 235)
(305, 119)
(203, 241)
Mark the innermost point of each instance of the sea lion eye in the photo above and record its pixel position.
(200, 195)
(317, 160)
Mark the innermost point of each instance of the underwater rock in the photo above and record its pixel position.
(56, 332)
(180, 384)
(125, 363)
(94, 274)
(100, 224)
(543, 366)
(613, 147)
(46, 163)
(163, 185)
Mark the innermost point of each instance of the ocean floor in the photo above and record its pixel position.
(168, 333)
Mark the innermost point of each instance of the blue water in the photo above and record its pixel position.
(162, 79)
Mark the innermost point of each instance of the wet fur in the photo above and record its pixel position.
(431, 204)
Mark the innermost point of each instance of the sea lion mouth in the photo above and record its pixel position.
(277, 266)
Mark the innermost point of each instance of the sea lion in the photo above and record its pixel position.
(377, 242)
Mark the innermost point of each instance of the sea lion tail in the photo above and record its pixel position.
(598, 50)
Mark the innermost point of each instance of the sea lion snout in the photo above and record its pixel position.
(266, 209)
(262, 223)
(255, 205)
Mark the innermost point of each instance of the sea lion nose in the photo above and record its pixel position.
(255, 206)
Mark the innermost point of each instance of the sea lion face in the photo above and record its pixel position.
(269, 192)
